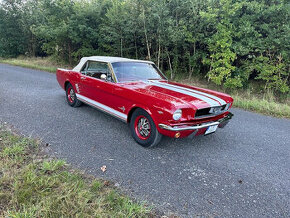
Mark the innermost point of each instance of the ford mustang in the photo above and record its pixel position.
(138, 93)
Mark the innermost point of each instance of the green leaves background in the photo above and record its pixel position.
(229, 42)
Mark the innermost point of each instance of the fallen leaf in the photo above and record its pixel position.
(104, 168)
(106, 183)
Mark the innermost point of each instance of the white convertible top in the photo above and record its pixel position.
(106, 59)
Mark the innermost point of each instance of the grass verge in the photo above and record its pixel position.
(262, 106)
(33, 186)
(45, 64)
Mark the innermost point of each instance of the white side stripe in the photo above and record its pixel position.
(210, 101)
(221, 101)
(102, 107)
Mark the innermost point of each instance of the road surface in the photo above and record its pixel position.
(242, 170)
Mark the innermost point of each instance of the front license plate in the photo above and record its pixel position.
(211, 129)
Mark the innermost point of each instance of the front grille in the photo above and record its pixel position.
(202, 112)
(210, 111)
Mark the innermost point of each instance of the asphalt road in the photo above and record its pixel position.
(242, 170)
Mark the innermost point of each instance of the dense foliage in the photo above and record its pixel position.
(227, 41)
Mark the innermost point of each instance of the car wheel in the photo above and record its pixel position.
(143, 129)
(71, 97)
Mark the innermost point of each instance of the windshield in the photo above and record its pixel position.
(134, 71)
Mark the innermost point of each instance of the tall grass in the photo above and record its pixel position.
(263, 106)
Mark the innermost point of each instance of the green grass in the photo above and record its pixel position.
(263, 106)
(33, 186)
(45, 64)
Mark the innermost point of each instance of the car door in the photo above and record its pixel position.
(99, 92)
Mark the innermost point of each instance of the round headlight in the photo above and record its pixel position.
(177, 114)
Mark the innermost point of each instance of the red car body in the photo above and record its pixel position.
(159, 98)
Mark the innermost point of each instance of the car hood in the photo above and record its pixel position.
(180, 95)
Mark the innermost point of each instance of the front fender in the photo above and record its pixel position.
(134, 107)
(158, 115)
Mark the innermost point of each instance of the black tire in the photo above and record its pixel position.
(71, 97)
(139, 117)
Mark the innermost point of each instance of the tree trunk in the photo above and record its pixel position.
(146, 37)
(159, 51)
(190, 73)
(69, 54)
(170, 65)
(33, 45)
(121, 47)
(190, 67)
(136, 49)
(162, 61)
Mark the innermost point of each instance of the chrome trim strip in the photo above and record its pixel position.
(170, 128)
(211, 102)
(102, 107)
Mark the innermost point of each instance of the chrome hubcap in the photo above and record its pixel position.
(144, 127)
(72, 94)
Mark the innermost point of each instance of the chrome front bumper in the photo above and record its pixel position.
(221, 122)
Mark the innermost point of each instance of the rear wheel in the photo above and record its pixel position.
(71, 97)
(143, 129)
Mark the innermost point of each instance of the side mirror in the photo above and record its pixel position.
(104, 77)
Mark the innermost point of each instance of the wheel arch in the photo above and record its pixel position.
(65, 84)
(134, 108)
(131, 112)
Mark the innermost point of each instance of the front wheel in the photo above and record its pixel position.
(71, 97)
(143, 129)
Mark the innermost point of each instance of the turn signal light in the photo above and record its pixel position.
(177, 135)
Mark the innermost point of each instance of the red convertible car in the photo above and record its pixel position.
(139, 94)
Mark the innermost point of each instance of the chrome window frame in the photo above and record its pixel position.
(109, 67)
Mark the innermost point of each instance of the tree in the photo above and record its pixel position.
(13, 40)
(231, 42)
(221, 58)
